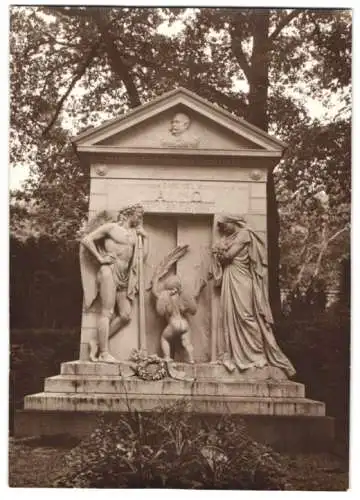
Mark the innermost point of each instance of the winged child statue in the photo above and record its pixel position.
(174, 304)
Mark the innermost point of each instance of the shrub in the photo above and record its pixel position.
(320, 350)
(172, 449)
(45, 284)
(35, 355)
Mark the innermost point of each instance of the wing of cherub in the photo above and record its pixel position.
(89, 266)
(165, 265)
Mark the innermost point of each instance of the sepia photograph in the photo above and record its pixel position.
(179, 247)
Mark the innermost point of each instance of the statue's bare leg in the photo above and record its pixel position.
(187, 345)
(124, 306)
(108, 297)
(94, 347)
(166, 335)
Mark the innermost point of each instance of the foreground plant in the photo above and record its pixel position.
(172, 448)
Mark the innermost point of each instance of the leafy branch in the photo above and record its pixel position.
(284, 22)
(116, 59)
(324, 247)
(79, 73)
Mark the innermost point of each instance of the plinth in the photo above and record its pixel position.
(276, 410)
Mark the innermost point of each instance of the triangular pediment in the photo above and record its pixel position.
(177, 121)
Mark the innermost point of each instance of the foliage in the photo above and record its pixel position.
(320, 351)
(172, 449)
(35, 462)
(313, 183)
(45, 289)
(35, 355)
(345, 283)
(314, 238)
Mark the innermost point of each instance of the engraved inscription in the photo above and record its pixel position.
(203, 197)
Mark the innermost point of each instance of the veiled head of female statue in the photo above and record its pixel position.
(228, 224)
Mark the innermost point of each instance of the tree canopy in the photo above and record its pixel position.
(74, 67)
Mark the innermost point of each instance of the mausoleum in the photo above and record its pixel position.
(188, 163)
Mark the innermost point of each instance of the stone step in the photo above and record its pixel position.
(199, 371)
(115, 384)
(46, 401)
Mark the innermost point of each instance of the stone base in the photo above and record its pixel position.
(283, 433)
(105, 402)
(199, 371)
(83, 389)
(207, 388)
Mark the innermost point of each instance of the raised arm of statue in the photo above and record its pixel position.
(242, 238)
(202, 285)
(89, 242)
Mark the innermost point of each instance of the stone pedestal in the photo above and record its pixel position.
(85, 386)
(208, 388)
(275, 409)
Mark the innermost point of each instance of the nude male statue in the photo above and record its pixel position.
(115, 248)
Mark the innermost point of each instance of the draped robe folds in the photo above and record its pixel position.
(245, 325)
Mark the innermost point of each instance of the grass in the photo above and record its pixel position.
(34, 462)
(317, 472)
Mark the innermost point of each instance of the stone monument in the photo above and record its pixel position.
(174, 271)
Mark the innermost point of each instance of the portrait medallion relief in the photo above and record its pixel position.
(180, 133)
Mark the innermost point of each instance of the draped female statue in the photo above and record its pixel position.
(245, 336)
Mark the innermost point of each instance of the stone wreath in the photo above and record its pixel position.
(148, 367)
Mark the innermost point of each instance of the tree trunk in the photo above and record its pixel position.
(116, 61)
(257, 115)
(273, 229)
(258, 77)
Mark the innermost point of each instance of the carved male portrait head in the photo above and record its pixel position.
(179, 124)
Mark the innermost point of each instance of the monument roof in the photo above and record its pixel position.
(144, 128)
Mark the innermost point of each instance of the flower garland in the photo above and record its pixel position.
(147, 367)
